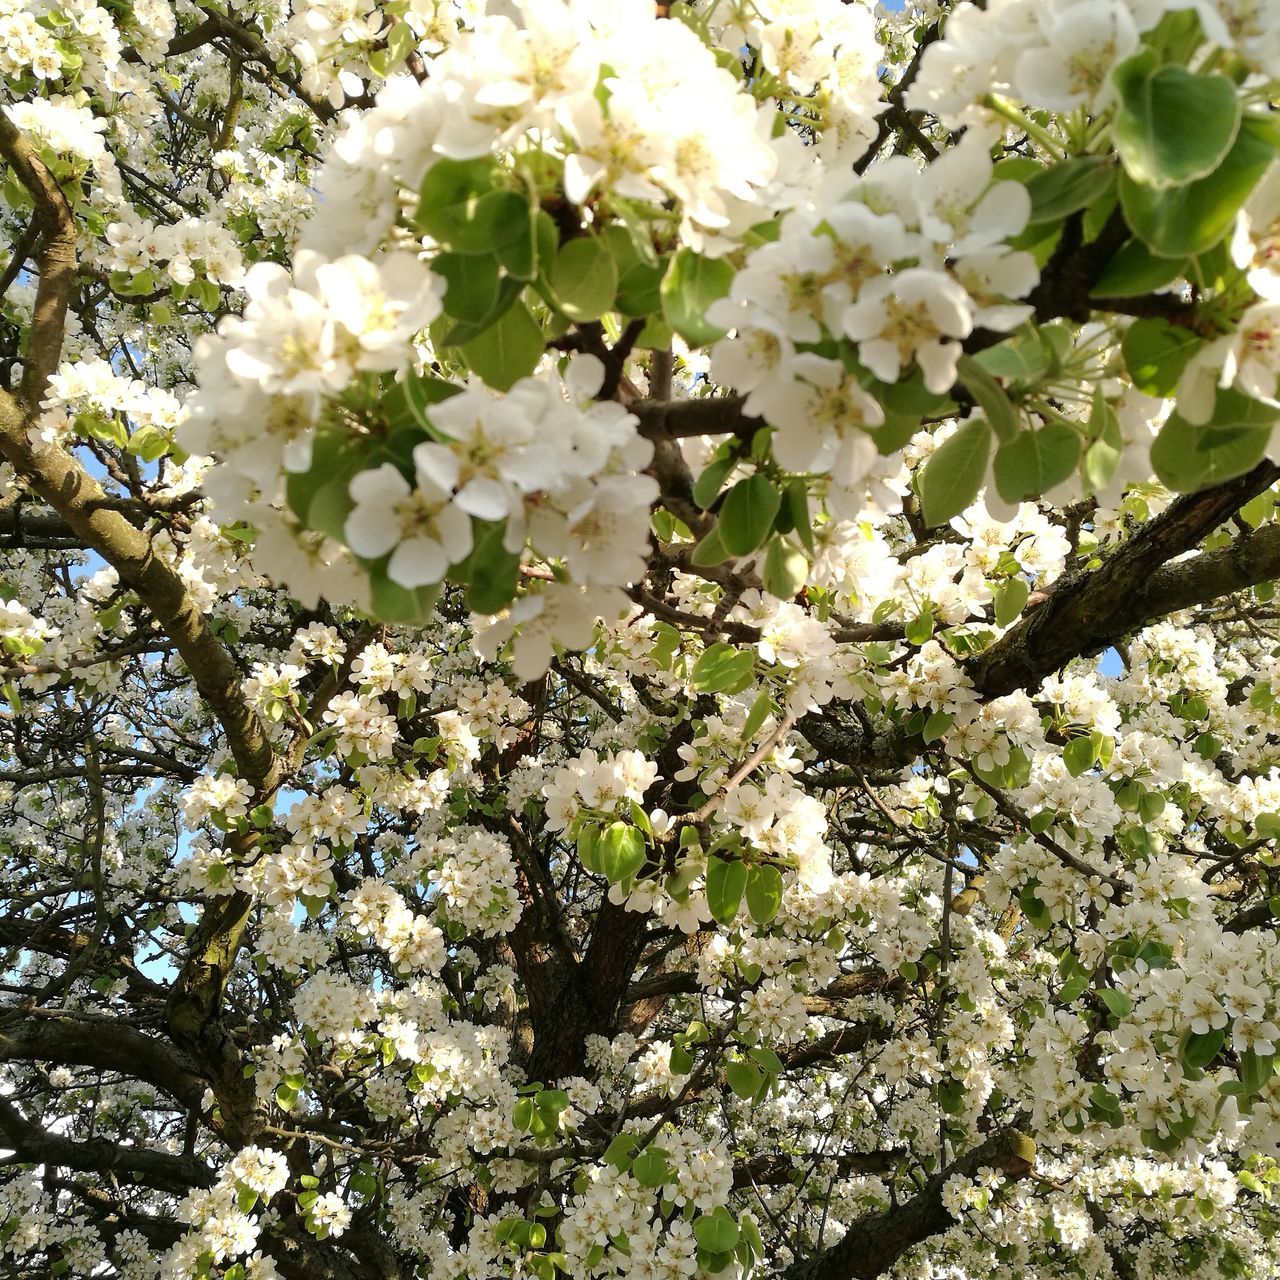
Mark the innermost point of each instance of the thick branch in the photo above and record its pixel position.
(109, 1046)
(1087, 612)
(55, 255)
(873, 1244)
(77, 497)
(678, 419)
(35, 1144)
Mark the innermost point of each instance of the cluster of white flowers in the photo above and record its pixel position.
(410, 940)
(302, 337)
(476, 876)
(901, 265)
(1060, 57)
(186, 249)
(67, 128)
(560, 470)
(606, 785)
(221, 1219)
(222, 794)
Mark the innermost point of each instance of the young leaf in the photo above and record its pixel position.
(1036, 461)
(726, 882)
(784, 569)
(1073, 184)
(1172, 126)
(721, 667)
(1156, 352)
(1177, 222)
(745, 1078)
(1010, 599)
(1188, 458)
(990, 395)
(748, 513)
(621, 851)
(582, 279)
(1136, 270)
(764, 892)
(954, 473)
(691, 285)
(507, 350)
(715, 1235)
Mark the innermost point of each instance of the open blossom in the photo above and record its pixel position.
(220, 793)
(916, 315)
(422, 527)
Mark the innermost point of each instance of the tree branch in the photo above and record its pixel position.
(35, 1144)
(1085, 613)
(55, 256)
(874, 1243)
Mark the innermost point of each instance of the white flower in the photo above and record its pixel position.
(428, 531)
(913, 315)
(1082, 43)
(381, 305)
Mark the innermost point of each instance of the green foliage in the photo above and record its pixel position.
(954, 473)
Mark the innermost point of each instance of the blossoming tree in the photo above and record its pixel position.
(639, 640)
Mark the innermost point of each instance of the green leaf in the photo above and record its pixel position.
(681, 1061)
(149, 443)
(1172, 126)
(472, 284)
(954, 473)
(748, 513)
(640, 289)
(919, 629)
(710, 549)
(764, 892)
(1188, 458)
(726, 882)
(1010, 599)
(1255, 1070)
(621, 851)
(756, 717)
(1035, 461)
(706, 488)
(1073, 988)
(951, 1097)
(715, 1235)
(507, 351)
(785, 568)
(1136, 270)
(520, 255)
(990, 395)
(796, 498)
(1033, 906)
(618, 1152)
(1177, 222)
(691, 285)
(937, 725)
(651, 1168)
(722, 668)
(1119, 1004)
(1156, 352)
(1102, 454)
(1080, 755)
(390, 602)
(1198, 1050)
(745, 1078)
(462, 206)
(1066, 187)
(1019, 359)
(522, 1114)
(491, 572)
(582, 279)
